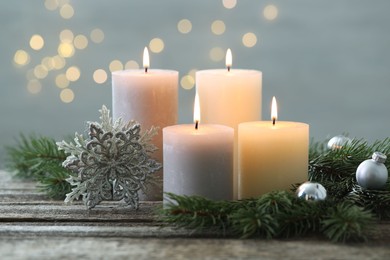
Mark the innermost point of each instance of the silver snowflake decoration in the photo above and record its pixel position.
(113, 163)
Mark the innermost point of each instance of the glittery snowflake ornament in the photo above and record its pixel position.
(113, 163)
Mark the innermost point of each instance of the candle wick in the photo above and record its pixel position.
(273, 121)
(228, 67)
(196, 124)
(146, 69)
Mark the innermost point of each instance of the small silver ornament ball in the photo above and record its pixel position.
(372, 173)
(311, 191)
(338, 142)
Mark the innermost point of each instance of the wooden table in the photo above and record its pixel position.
(34, 227)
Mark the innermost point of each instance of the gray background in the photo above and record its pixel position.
(327, 61)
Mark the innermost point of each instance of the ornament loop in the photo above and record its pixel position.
(379, 157)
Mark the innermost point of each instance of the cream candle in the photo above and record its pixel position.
(272, 155)
(198, 160)
(229, 97)
(150, 97)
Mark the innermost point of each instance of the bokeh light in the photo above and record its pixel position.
(48, 63)
(80, 42)
(40, 72)
(131, 65)
(216, 54)
(36, 42)
(229, 4)
(156, 45)
(97, 35)
(58, 62)
(187, 82)
(73, 73)
(62, 81)
(51, 5)
(115, 65)
(34, 86)
(66, 36)
(270, 12)
(249, 39)
(66, 50)
(218, 27)
(21, 58)
(184, 26)
(67, 95)
(100, 76)
(66, 11)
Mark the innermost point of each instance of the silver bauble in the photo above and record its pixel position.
(311, 191)
(372, 173)
(338, 142)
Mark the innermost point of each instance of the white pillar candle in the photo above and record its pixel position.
(199, 161)
(229, 97)
(149, 97)
(271, 156)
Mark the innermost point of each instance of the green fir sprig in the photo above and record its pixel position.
(277, 214)
(38, 158)
(346, 215)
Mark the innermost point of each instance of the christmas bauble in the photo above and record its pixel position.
(372, 173)
(338, 142)
(311, 191)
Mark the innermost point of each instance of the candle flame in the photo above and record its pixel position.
(229, 59)
(146, 61)
(274, 111)
(196, 111)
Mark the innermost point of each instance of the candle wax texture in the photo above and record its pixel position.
(271, 157)
(199, 162)
(151, 99)
(229, 98)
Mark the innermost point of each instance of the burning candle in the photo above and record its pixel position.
(150, 97)
(198, 159)
(272, 155)
(229, 97)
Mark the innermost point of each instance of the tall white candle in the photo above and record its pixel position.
(229, 97)
(150, 97)
(198, 160)
(272, 155)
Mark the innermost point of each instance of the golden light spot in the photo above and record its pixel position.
(58, 62)
(51, 5)
(218, 27)
(184, 26)
(131, 64)
(66, 50)
(249, 39)
(36, 42)
(229, 4)
(270, 12)
(73, 73)
(97, 35)
(187, 82)
(67, 95)
(80, 42)
(100, 76)
(48, 63)
(66, 11)
(115, 65)
(62, 81)
(34, 86)
(66, 36)
(156, 45)
(40, 72)
(21, 58)
(217, 54)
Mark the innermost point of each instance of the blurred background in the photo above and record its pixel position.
(326, 61)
